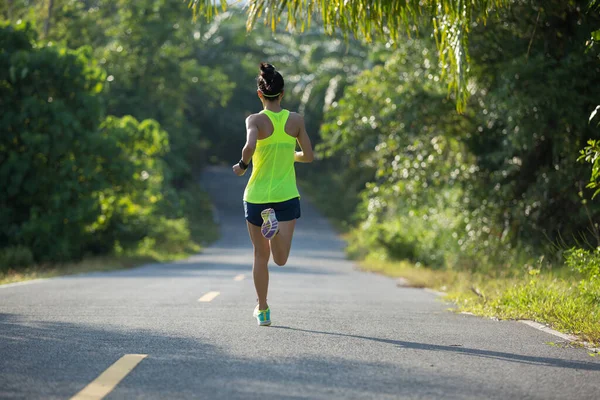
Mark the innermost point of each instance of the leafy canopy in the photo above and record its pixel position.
(452, 21)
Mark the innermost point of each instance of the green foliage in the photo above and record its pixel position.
(78, 182)
(48, 162)
(591, 154)
(196, 207)
(14, 257)
(527, 135)
(587, 263)
(157, 67)
(411, 205)
(150, 54)
(486, 190)
(167, 236)
(452, 21)
(134, 182)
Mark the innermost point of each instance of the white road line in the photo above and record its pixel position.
(568, 338)
(109, 379)
(436, 292)
(209, 297)
(29, 282)
(239, 277)
(546, 329)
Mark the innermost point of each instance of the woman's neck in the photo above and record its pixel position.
(273, 106)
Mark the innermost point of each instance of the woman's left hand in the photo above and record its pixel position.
(238, 170)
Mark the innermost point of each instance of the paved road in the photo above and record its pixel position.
(338, 333)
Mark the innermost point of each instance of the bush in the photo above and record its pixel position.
(49, 171)
(14, 257)
(73, 184)
(169, 236)
(135, 182)
(587, 263)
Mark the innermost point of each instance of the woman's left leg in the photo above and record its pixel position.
(260, 269)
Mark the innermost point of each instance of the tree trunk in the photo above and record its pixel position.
(10, 9)
(47, 22)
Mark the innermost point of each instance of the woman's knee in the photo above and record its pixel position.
(262, 254)
(280, 260)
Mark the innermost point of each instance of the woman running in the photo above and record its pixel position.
(271, 198)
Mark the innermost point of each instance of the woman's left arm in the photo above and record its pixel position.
(250, 147)
(306, 155)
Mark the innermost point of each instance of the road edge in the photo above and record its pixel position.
(536, 325)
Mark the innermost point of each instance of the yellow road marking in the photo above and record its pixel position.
(239, 277)
(209, 296)
(109, 379)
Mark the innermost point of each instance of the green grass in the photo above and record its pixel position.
(554, 299)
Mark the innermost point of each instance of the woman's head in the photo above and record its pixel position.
(270, 82)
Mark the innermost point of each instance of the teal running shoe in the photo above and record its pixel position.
(263, 317)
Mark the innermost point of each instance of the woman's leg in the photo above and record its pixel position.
(282, 242)
(260, 269)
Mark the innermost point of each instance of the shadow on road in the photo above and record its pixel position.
(48, 356)
(543, 361)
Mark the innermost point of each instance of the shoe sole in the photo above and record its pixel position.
(270, 225)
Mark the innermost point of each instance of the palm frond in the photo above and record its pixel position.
(385, 19)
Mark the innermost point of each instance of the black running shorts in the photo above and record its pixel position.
(285, 211)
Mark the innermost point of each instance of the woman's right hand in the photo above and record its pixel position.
(238, 170)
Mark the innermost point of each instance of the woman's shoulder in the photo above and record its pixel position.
(256, 118)
(253, 116)
(294, 124)
(294, 116)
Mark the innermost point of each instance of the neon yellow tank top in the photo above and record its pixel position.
(273, 177)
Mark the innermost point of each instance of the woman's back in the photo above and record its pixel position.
(273, 175)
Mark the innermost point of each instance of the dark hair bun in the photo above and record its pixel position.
(266, 70)
(269, 82)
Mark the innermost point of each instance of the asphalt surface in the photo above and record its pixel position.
(337, 332)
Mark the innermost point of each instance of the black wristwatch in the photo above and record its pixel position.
(243, 165)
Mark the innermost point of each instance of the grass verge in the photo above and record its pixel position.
(91, 264)
(169, 244)
(545, 298)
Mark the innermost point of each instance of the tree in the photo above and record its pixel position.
(74, 181)
(48, 164)
(48, 18)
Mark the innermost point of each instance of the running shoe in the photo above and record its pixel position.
(270, 226)
(263, 317)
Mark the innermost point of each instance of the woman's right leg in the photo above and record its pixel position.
(260, 269)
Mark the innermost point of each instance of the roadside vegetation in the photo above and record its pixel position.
(562, 299)
(172, 240)
(101, 143)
